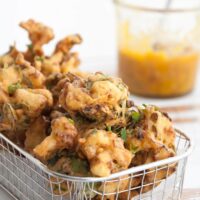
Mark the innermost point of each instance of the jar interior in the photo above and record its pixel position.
(158, 51)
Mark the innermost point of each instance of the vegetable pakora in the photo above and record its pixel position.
(77, 123)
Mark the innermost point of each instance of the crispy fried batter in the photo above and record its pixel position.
(80, 124)
(67, 43)
(4, 98)
(51, 64)
(39, 34)
(36, 133)
(22, 73)
(93, 95)
(9, 57)
(155, 132)
(105, 152)
(35, 100)
(30, 76)
(70, 63)
(9, 76)
(63, 136)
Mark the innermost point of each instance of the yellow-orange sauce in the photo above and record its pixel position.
(155, 72)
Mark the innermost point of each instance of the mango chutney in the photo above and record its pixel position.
(156, 74)
(154, 65)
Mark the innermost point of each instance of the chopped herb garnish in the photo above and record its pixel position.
(156, 108)
(145, 105)
(71, 121)
(13, 87)
(39, 58)
(109, 128)
(133, 148)
(135, 116)
(120, 86)
(30, 46)
(123, 134)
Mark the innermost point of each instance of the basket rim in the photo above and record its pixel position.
(112, 176)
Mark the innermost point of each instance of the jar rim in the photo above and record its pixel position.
(132, 6)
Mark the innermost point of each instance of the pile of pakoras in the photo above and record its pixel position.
(77, 123)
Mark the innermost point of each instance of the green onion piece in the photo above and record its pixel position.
(145, 105)
(13, 87)
(135, 116)
(134, 149)
(30, 46)
(109, 128)
(71, 121)
(39, 58)
(123, 134)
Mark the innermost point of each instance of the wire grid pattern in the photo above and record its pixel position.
(27, 179)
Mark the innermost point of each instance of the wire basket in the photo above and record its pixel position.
(26, 178)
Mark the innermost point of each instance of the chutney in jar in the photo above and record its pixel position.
(154, 67)
(158, 46)
(156, 74)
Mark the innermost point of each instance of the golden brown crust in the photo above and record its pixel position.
(39, 34)
(105, 152)
(95, 97)
(63, 136)
(67, 43)
(36, 133)
(80, 124)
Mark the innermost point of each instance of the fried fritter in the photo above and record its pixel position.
(152, 139)
(67, 43)
(30, 76)
(9, 76)
(80, 124)
(69, 63)
(9, 57)
(49, 65)
(36, 133)
(4, 98)
(155, 132)
(63, 136)
(35, 101)
(20, 110)
(57, 63)
(20, 74)
(8, 117)
(39, 35)
(105, 152)
(95, 97)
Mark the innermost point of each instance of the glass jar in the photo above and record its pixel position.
(158, 45)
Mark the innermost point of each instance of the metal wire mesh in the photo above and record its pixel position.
(27, 179)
